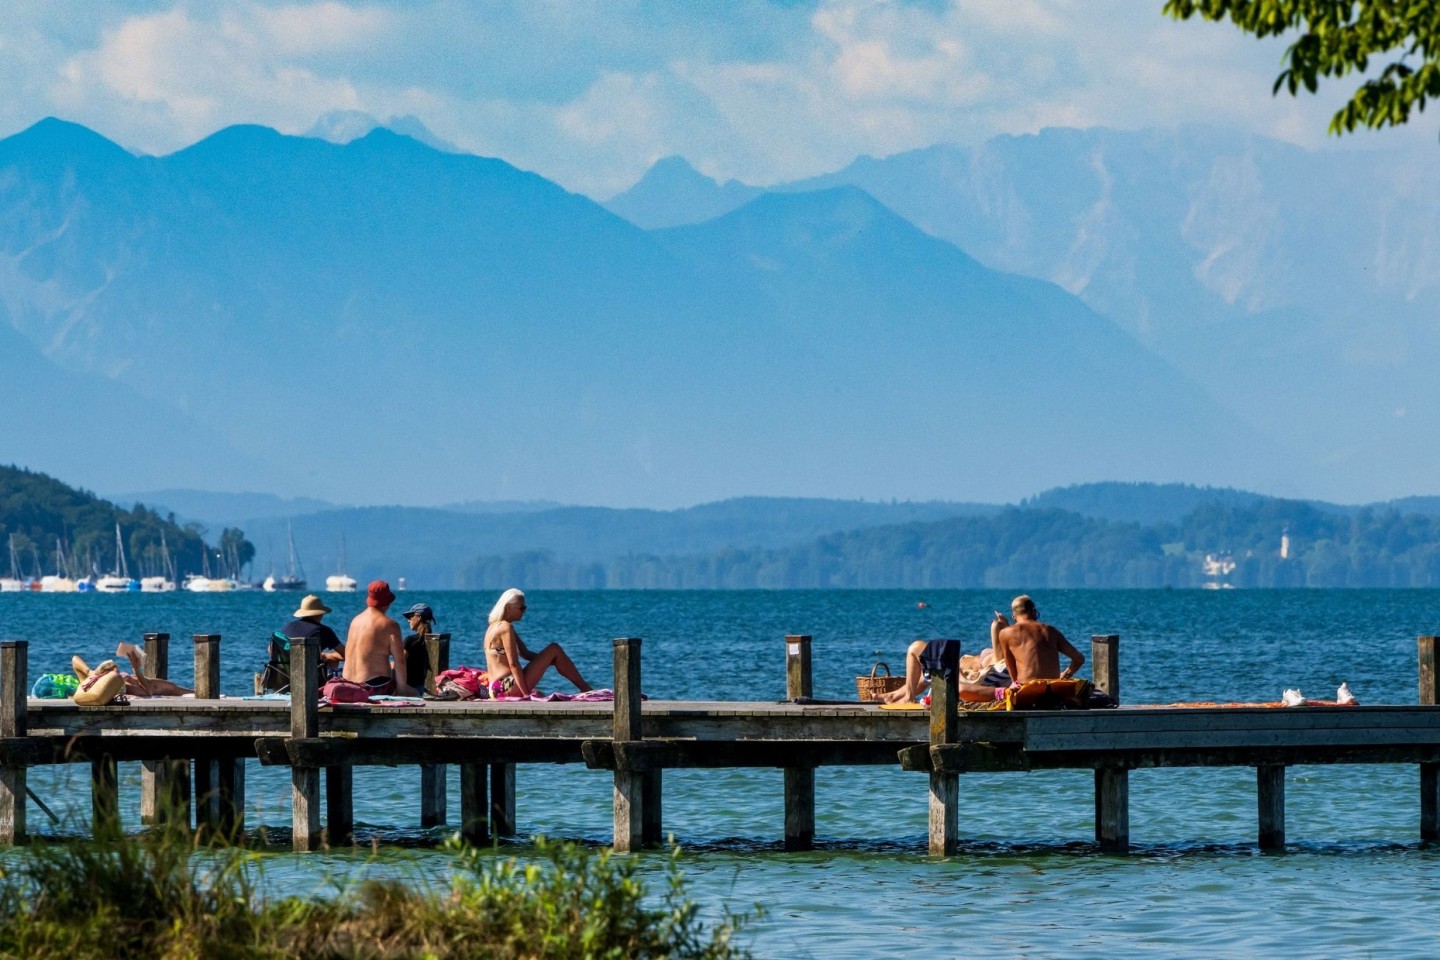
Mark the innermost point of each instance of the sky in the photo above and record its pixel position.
(590, 94)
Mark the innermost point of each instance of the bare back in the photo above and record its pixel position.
(503, 650)
(372, 643)
(1032, 650)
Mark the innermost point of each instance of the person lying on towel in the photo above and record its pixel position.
(1022, 651)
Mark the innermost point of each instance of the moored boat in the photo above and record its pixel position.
(119, 580)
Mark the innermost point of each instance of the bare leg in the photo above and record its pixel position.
(979, 693)
(152, 687)
(914, 677)
(140, 685)
(554, 655)
(136, 685)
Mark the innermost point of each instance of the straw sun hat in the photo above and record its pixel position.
(103, 685)
(311, 606)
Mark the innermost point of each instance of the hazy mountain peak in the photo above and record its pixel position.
(673, 193)
(53, 139)
(345, 126)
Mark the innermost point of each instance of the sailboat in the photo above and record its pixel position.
(61, 582)
(86, 584)
(294, 578)
(33, 583)
(341, 582)
(13, 583)
(118, 581)
(165, 582)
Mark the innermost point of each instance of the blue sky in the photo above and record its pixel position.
(591, 93)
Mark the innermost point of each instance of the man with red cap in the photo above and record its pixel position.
(374, 652)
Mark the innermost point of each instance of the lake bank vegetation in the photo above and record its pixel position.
(158, 896)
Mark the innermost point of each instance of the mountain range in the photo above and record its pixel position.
(1298, 288)
(382, 321)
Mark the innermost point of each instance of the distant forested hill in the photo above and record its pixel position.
(41, 512)
(1038, 548)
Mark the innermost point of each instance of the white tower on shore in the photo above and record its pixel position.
(1285, 543)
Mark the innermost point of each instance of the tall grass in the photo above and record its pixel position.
(158, 896)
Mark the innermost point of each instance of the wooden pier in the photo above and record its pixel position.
(195, 751)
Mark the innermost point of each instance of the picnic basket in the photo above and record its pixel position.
(872, 686)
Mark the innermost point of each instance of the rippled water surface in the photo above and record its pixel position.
(1354, 881)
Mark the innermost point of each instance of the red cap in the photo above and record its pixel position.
(379, 594)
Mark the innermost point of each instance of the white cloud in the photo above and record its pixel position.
(171, 77)
(590, 93)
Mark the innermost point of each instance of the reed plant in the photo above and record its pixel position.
(159, 895)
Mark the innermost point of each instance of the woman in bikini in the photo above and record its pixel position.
(504, 653)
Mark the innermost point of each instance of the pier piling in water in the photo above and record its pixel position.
(1112, 781)
(219, 779)
(629, 783)
(305, 725)
(164, 784)
(944, 782)
(1429, 772)
(799, 780)
(14, 688)
(432, 775)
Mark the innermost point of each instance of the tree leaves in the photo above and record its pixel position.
(1339, 37)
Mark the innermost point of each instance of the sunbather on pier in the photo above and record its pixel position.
(1031, 649)
(374, 652)
(136, 684)
(504, 653)
(925, 659)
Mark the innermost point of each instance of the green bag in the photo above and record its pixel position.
(55, 686)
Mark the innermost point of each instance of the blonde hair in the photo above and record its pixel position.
(497, 612)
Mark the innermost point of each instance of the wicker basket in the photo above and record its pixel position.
(872, 686)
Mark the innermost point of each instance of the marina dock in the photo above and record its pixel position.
(195, 751)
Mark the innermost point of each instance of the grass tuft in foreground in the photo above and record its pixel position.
(156, 896)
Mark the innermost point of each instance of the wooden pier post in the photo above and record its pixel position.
(164, 784)
(304, 725)
(432, 775)
(104, 798)
(432, 794)
(502, 799)
(225, 776)
(219, 781)
(487, 801)
(339, 806)
(1270, 799)
(1429, 772)
(799, 781)
(1112, 809)
(1105, 664)
(14, 689)
(629, 785)
(944, 786)
(474, 804)
(1112, 783)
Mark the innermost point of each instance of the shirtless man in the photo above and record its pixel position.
(1031, 649)
(374, 652)
(504, 652)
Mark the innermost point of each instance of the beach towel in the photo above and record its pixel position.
(589, 696)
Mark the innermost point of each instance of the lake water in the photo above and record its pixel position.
(1354, 881)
